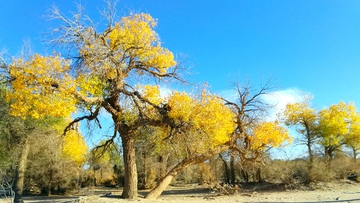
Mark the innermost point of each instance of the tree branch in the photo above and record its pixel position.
(92, 116)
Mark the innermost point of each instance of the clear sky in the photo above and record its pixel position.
(304, 45)
(308, 46)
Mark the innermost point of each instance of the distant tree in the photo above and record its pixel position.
(269, 134)
(13, 135)
(204, 128)
(334, 123)
(50, 167)
(8, 148)
(352, 139)
(74, 147)
(151, 156)
(106, 158)
(265, 135)
(249, 108)
(305, 118)
(21, 131)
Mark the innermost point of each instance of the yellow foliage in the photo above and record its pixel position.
(269, 134)
(299, 113)
(181, 105)
(214, 118)
(334, 123)
(46, 86)
(352, 139)
(36, 92)
(207, 121)
(74, 147)
(90, 85)
(133, 37)
(152, 93)
(135, 34)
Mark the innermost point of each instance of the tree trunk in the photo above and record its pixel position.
(131, 179)
(161, 166)
(308, 144)
(232, 168)
(94, 172)
(145, 169)
(20, 172)
(354, 153)
(258, 175)
(245, 175)
(227, 175)
(329, 151)
(50, 183)
(166, 180)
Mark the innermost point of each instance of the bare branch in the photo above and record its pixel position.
(110, 12)
(108, 142)
(92, 116)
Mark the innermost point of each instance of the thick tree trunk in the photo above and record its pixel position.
(245, 175)
(258, 175)
(131, 179)
(226, 169)
(20, 172)
(166, 180)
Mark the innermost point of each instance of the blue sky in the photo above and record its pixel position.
(307, 46)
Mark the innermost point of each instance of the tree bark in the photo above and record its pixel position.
(258, 175)
(166, 180)
(130, 190)
(20, 172)
(329, 152)
(245, 175)
(354, 153)
(232, 168)
(145, 169)
(308, 144)
(50, 182)
(226, 169)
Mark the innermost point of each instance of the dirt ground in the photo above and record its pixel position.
(345, 191)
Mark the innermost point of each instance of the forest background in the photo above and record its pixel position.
(275, 48)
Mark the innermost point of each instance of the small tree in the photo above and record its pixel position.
(352, 139)
(249, 109)
(305, 118)
(203, 126)
(105, 158)
(334, 125)
(52, 166)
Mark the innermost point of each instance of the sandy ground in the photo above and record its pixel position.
(345, 191)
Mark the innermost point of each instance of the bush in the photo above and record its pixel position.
(288, 172)
(204, 174)
(298, 171)
(151, 178)
(320, 171)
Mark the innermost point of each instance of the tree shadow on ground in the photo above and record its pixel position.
(198, 191)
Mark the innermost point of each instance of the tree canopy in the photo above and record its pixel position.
(120, 69)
